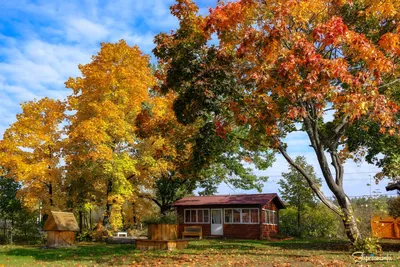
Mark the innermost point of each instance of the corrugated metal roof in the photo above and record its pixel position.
(244, 199)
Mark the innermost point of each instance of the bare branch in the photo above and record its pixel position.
(386, 85)
(311, 183)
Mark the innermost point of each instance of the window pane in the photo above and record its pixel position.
(236, 215)
(267, 216)
(274, 217)
(187, 215)
(228, 216)
(200, 216)
(271, 217)
(245, 215)
(216, 217)
(205, 213)
(254, 216)
(193, 217)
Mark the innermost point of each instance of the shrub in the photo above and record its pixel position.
(169, 218)
(85, 236)
(316, 222)
(367, 245)
(394, 207)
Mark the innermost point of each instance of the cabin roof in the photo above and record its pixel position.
(243, 199)
(61, 221)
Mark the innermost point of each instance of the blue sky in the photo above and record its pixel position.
(43, 41)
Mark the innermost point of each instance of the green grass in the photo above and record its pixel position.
(199, 253)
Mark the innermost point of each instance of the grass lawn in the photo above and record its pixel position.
(199, 253)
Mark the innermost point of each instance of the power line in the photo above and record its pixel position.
(347, 180)
(347, 173)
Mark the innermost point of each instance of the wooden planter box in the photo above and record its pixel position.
(162, 232)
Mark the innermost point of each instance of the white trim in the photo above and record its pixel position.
(276, 217)
(241, 216)
(197, 218)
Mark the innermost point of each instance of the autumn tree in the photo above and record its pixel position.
(185, 157)
(30, 153)
(283, 66)
(105, 102)
(295, 190)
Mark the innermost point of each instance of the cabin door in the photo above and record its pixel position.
(216, 222)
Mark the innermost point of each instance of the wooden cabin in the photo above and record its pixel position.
(250, 216)
(61, 228)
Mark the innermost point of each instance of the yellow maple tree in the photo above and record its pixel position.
(30, 152)
(105, 102)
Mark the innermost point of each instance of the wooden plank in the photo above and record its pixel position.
(60, 239)
(162, 231)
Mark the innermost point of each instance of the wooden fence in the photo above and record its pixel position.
(385, 227)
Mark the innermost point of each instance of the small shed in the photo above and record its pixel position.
(61, 228)
(245, 216)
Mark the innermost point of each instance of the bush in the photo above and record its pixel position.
(367, 245)
(169, 218)
(85, 236)
(316, 222)
(394, 207)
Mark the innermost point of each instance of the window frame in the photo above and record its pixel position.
(241, 216)
(267, 211)
(197, 218)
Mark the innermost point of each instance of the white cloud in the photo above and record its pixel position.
(144, 41)
(81, 29)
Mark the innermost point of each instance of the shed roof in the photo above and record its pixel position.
(244, 199)
(61, 221)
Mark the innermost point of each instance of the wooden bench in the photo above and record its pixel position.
(120, 234)
(193, 231)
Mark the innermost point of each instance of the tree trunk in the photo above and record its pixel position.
(80, 222)
(51, 194)
(164, 209)
(11, 230)
(5, 227)
(106, 219)
(298, 221)
(345, 211)
(90, 220)
(348, 218)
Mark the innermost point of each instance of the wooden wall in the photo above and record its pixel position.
(162, 232)
(268, 230)
(60, 239)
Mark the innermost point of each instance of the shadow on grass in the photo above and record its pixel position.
(336, 245)
(390, 245)
(97, 253)
(339, 246)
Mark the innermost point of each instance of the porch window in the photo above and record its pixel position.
(197, 216)
(241, 216)
(271, 217)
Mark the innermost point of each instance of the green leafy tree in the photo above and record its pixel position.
(295, 190)
(318, 222)
(367, 207)
(10, 205)
(394, 207)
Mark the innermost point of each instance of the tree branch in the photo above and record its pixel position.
(311, 183)
(386, 85)
(149, 197)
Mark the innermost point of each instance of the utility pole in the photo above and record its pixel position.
(370, 196)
